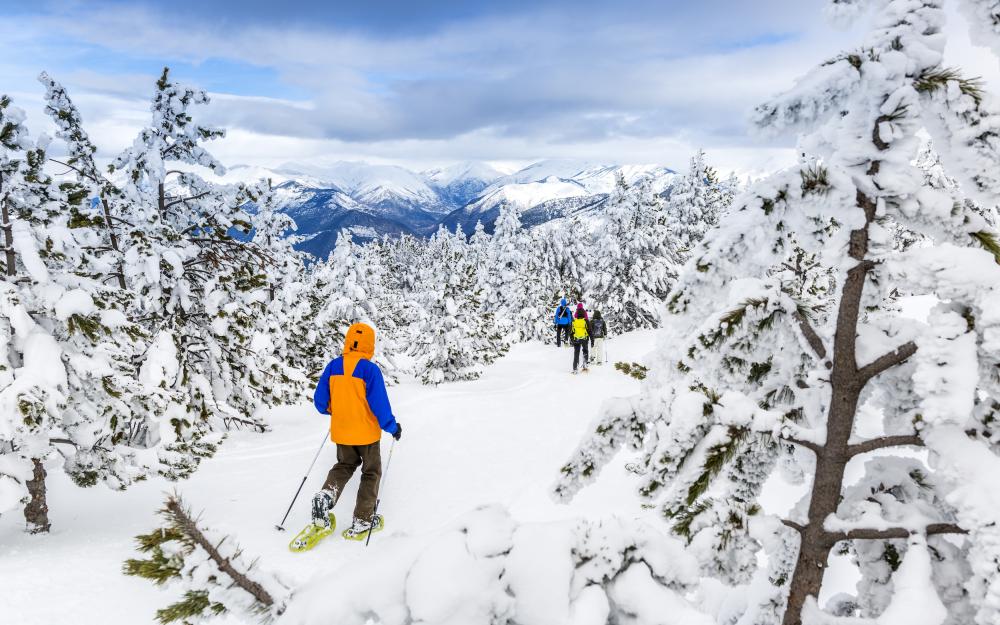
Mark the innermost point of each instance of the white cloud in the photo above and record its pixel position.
(625, 88)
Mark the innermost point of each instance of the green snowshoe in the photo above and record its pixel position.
(359, 530)
(310, 536)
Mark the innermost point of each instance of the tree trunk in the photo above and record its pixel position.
(845, 389)
(36, 513)
(8, 233)
(114, 241)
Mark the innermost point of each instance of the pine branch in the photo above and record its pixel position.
(811, 446)
(191, 530)
(884, 442)
(809, 332)
(893, 532)
(792, 524)
(887, 361)
(989, 242)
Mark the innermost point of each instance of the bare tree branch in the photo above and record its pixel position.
(887, 361)
(792, 524)
(883, 442)
(813, 447)
(185, 199)
(811, 336)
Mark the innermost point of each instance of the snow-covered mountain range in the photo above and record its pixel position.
(371, 200)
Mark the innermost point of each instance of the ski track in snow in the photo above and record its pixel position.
(498, 439)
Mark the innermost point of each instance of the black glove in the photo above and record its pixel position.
(398, 432)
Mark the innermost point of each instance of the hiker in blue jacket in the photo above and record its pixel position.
(563, 319)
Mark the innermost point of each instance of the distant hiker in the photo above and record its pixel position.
(563, 319)
(352, 391)
(598, 332)
(581, 309)
(581, 339)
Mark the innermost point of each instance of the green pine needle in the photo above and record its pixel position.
(989, 242)
(716, 459)
(938, 78)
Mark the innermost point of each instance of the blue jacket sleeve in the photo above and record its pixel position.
(378, 398)
(321, 396)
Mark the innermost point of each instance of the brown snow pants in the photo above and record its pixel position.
(349, 458)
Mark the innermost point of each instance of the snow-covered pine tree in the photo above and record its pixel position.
(512, 287)
(633, 266)
(280, 307)
(344, 297)
(479, 244)
(540, 291)
(67, 380)
(209, 568)
(194, 282)
(80, 159)
(352, 285)
(696, 202)
(392, 309)
(454, 338)
(750, 380)
(566, 250)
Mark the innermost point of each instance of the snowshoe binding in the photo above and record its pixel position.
(310, 536)
(360, 528)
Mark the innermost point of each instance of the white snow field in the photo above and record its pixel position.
(500, 439)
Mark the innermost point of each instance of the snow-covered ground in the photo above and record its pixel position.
(500, 439)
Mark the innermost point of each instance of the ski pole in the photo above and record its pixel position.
(281, 526)
(378, 498)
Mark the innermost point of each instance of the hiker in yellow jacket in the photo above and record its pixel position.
(581, 338)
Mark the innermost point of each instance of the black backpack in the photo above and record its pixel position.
(564, 312)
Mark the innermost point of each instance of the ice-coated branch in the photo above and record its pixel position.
(884, 442)
(893, 532)
(887, 361)
(814, 340)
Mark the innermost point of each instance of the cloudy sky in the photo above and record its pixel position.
(424, 84)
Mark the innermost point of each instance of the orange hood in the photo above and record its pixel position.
(360, 340)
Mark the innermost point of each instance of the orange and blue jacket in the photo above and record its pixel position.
(352, 391)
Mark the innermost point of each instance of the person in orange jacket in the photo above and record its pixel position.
(352, 391)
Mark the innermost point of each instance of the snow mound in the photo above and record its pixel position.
(489, 569)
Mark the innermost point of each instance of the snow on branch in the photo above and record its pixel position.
(893, 532)
(884, 443)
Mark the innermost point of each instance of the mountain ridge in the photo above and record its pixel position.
(374, 200)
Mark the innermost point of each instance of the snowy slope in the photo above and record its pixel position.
(499, 439)
(528, 194)
(461, 183)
